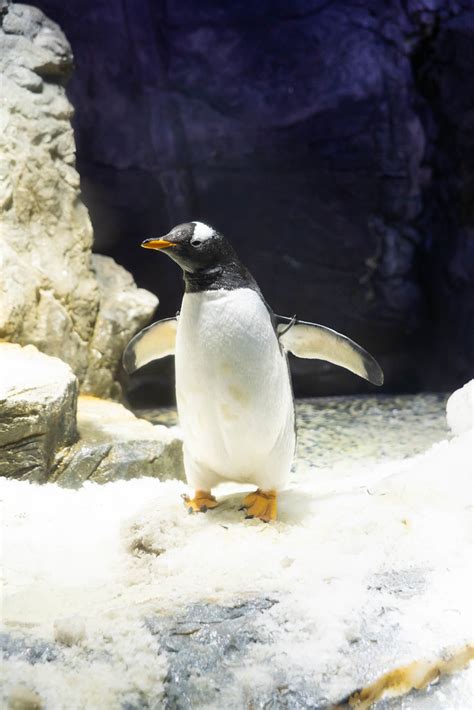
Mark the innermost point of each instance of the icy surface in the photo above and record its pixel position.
(114, 596)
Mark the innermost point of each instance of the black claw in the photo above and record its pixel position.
(243, 507)
(249, 517)
(203, 508)
(190, 511)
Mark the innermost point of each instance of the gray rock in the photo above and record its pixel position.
(31, 650)
(38, 396)
(52, 294)
(46, 435)
(124, 309)
(206, 646)
(114, 444)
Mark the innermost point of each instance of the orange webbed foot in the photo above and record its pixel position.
(261, 504)
(201, 503)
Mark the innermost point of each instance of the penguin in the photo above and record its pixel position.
(233, 387)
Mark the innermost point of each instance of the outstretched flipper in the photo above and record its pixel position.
(151, 343)
(313, 341)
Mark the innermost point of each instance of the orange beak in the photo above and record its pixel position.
(157, 244)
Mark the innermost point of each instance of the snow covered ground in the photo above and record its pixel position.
(368, 568)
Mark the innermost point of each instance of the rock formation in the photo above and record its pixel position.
(53, 293)
(38, 398)
(48, 434)
(116, 445)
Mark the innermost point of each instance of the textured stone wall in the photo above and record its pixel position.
(52, 294)
(332, 141)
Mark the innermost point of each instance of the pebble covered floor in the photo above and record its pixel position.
(364, 428)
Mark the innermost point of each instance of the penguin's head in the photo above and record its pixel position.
(194, 246)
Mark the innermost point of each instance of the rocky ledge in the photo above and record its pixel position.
(48, 433)
(116, 445)
(38, 399)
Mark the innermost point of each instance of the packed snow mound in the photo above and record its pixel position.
(460, 409)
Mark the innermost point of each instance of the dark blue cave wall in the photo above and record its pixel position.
(332, 141)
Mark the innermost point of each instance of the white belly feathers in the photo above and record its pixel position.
(233, 390)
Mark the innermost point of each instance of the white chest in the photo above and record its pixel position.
(224, 335)
(232, 382)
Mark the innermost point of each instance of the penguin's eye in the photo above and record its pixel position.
(196, 242)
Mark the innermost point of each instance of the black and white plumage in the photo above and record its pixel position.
(233, 387)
